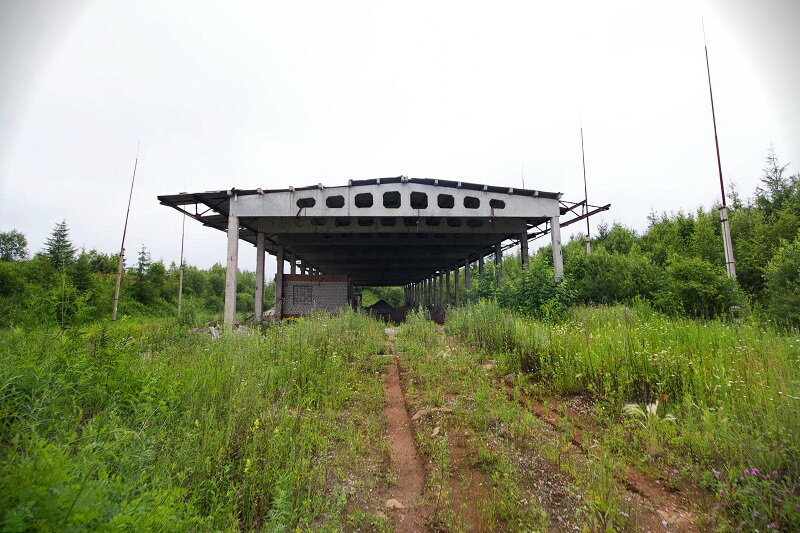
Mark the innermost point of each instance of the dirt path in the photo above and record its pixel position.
(406, 495)
(652, 505)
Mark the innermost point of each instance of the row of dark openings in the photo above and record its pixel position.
(406, 221)
(392, 200)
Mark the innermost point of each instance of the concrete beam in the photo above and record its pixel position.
(314, 202)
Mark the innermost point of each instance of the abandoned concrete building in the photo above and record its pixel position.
(414, 233)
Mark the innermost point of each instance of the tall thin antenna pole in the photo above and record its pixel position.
(180, 277)
(122, 246)
(585, 198)
(730, 262)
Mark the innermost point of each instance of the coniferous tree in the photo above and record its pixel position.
(58, 247)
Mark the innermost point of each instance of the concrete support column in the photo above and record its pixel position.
(466, 280)
(440, 299)
(480, 266)
(279, 283)
(293, 266)
(558, 257)
(436, 291)
(730, 261)
(429, 281)
(259, 296)
(523, 249)
(498, 263)
(447, 283)
(229, 315)
(457, 290)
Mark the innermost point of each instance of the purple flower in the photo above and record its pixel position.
(676, 471)
(756, 472)
(774, 472)
(746, 472)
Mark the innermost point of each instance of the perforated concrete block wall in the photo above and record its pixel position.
(306, 294)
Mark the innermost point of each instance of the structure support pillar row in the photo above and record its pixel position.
(279, 283)
(259, 296)
(498, 263)
(229, 315)
(558, 257)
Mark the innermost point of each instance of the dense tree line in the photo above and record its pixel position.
(677, 264)
(64, 286)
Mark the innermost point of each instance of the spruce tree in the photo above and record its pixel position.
(58, 247)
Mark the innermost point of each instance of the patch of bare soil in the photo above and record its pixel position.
(652, 506)
(405, 502)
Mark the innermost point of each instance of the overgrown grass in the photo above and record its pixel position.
(141, 425)
(451, 383)
(734, 388)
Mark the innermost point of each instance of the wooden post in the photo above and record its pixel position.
(279, 283)
(229, 316)
(259, 296)
(558, 257)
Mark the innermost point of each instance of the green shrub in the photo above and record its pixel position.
(697, 288)
(783, 285)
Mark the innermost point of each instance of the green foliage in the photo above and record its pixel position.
(141, 426)
(604, 277)
(733, 389)
(391, 295)
(13, 246)
(58, 247)
(783, 285)
(696, 288)
(535, 292)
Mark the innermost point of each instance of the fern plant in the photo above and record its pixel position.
(651, 423)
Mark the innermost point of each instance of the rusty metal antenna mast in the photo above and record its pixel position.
(122, 246)
(730, 262)
(585, 198)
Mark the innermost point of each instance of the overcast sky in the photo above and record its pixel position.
(272, 94)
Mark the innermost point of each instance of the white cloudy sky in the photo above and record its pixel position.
(271, 94)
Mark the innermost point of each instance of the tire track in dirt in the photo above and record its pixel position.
(406, 501)
(659, 509)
